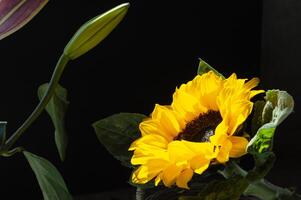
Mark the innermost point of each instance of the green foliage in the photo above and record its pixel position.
(267, 116)
(56, 108)
(117, 132)
(205, 67)
(257, 120)
(94, 31)
(263, 164)
(227, 189)
(263, 140)
(50, 180)
(261, 188)
(279, 104)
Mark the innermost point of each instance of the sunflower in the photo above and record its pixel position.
(199, 128)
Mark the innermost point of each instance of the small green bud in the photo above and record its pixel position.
(94, 31)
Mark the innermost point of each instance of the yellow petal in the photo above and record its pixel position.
(149, 147)
(150, 140)
(148, 171)
(197, 155)
(168, 120)
(198, 148)
(142, 156)
(186, 105)
(221, 129)
(151, 126)
(239, 145)
(209, 85)
(251, 83)
(224, 151)
(158, 179)
(234, 101)
(255, 92)
(240, 112)
(199, 163)
(170, 175)
(184, 178)
(135, 178)
(179, 152)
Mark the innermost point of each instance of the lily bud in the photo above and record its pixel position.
(94, 31)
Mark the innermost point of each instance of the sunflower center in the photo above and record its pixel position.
(201, 128)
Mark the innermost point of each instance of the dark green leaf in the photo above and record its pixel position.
(117, 132)
(257, 120)
(205, 67)
(227, 189)
(56, 108)
(267, 112)
(260, 187)
(263, 164)
(255, 185)
(265, 190)
(50, 180)
(279, 104)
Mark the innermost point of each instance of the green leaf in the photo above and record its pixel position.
(205, 67)
(263, 164)
(261, 188)
(255, 185)
(94, 31)
(14, 14)
(50, 180)
(56, 108)
(279, 104)
(257, 120)
(227, 189)
(117, 132)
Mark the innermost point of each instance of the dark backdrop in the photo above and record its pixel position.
(280, 68)
(152, 51)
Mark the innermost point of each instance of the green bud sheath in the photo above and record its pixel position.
(94, 31)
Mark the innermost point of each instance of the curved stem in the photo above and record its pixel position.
(261, 188)
(268, 191)
(60, 66)
(12, 152)
(139, 194)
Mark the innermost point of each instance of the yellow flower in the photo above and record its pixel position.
(197, 129)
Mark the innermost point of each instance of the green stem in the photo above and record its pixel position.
(140, 194)
(60, 66)
(260, 188)
(12, 152)
(267, 191)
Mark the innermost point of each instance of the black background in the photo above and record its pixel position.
(153, 50)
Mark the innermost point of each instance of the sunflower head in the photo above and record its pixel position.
(199, 128)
